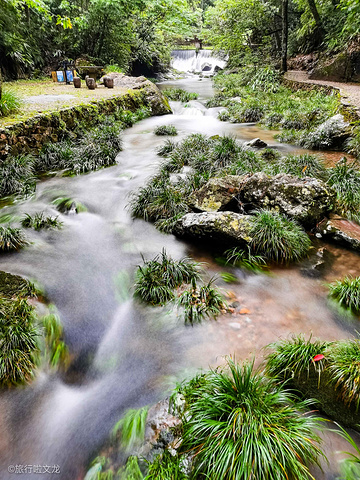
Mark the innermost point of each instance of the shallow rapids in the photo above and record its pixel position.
(125, 355)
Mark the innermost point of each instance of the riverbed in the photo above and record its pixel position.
(124, 354)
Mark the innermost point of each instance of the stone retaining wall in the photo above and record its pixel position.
(29, 136)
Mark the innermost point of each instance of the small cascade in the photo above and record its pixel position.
(196, 61)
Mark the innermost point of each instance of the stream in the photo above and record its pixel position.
(124, 354)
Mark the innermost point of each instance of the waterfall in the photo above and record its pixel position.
(196, 61)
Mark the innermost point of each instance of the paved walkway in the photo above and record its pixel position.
(350, 92)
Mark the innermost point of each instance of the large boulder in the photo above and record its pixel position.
(218, 194)
(343, 67)
(306, 200)
(340, 230)
(223, 228)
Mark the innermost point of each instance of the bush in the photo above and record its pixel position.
(201, 302)
(157, 278)
(10, 102)
(12, 238)
(277, 237)
(178, 94)
(39, 221)
(242, 425)
(166, 130)
(17, 175)
(18, 342)
(347, 293)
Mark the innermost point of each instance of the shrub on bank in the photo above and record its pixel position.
(242, 425)
(344, 178)
(10, 102)
(277, 237)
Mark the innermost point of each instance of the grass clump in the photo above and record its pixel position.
(10, 102)
(18, 341)
(166, 148)
(157, 278)
(344, 178)
(68, 205)
(245, 259)
(301, 166)
(56, 350)
(166, 130)
(166, 467)
(17, 175)
(344, 368)
(201, 302)
(347, 293)
(240, 424)
(12, 238)
(277, 237)
(293, 357)
(40, 221)
(178, 94)
(130, 429)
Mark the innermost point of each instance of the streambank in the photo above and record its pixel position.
(29, 136)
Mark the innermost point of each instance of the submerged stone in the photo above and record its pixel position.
(257, 143)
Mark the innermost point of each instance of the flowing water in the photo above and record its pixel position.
(126, 355)
(196, 61)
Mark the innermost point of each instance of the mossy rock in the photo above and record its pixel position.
(11, 285)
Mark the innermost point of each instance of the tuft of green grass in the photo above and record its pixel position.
(166, 467)
(293, 357)
(68, 205)
(344, 369)
(56, 350)
(18, 341)
(17, 175)
(166, 148)
(350, 466)
(240, 424)
(245, 259)
(130, 429)
(199, 303)
(166, 130)
(40, 221)
(277, 237)
(344, 178)
(157, 278)
(347, 293)
(10, 102)
(131, 471)
(304, 165)
(178, 94)
(12, 238)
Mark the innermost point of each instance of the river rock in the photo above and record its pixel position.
(218, 194)
(224, 228)
(306, 200)
(317, 264)
(341, 230)
(257, 143)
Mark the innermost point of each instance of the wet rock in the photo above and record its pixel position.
(257, 143)
(341, 230)
(306, 200)
(318, 263)
(218, 194)
(330, 134)
(224, 228)
(157, 102)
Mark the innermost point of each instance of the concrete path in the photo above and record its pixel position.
(350, 92)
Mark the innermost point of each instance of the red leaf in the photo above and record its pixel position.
(318, 357)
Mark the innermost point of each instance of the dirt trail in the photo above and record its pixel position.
(350, 92)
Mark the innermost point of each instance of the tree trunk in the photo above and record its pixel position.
(285, 31)
(316, 16)
(0, 84)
